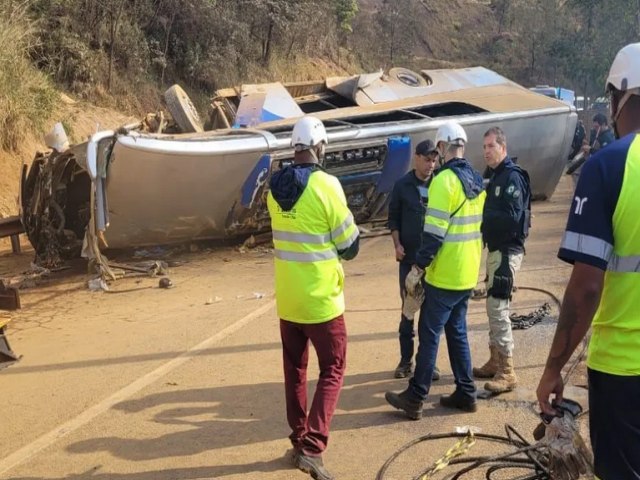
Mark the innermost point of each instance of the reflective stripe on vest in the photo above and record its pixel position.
(306, 239)
(614, 347)
(456, 265)
(596, 247)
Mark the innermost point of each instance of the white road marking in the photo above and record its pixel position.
(85, 417)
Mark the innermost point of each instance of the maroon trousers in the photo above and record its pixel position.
(310, 432)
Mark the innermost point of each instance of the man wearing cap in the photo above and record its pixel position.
(407, 209)
(447, 264)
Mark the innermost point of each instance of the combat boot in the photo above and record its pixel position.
(404, 369)
(489, 369)
(460, 401)
(411, 405)
(505, 380)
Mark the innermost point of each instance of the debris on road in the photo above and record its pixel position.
(28, 279)
(7, 356)
(97, 284)
(9, 297)
(522, 322)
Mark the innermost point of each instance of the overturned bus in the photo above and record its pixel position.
(161, 182)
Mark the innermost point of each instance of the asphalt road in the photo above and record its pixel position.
(149, 384)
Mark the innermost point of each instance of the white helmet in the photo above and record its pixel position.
(625, 69)
(451, 133)
(624, 75)
(308, 132)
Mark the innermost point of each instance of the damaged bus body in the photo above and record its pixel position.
(146, 185)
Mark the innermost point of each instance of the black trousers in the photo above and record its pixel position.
(614, 416)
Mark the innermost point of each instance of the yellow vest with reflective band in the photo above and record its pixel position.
(457, 263)
(615, 340)
(309, 275)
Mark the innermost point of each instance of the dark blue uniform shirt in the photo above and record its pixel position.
(589, 235)
(407, 209)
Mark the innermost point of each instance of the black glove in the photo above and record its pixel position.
(502, 280)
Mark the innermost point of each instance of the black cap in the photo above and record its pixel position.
(425, 147)
(600, 119)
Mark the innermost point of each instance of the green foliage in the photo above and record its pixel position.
(346, 11)
(205, 44)
(569, 43)
(26, 97)
(101, 50)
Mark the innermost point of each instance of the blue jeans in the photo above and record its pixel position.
(443, 309)
(406, 324)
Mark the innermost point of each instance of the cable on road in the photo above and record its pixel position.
(522, 457)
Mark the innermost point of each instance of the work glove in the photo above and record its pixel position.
(414, 293)
(569, 457)
(502, 280)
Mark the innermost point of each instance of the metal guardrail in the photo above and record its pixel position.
(12, 227)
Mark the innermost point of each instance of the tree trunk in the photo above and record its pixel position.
(166, 45)
(533, 56)
(502, 15)
(115, 20)
(266, 50)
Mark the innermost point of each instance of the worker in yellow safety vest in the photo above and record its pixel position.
(602, 241)
(313, 230)
(447, 264)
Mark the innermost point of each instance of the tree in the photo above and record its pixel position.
(114, 12)
(346, 11)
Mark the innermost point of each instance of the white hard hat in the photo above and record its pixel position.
(624, 76)
(625, 69)
(451, 133)
(308, 132)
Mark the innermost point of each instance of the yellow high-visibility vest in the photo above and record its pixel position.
(615, 340)
(308, 273)
(457, 219)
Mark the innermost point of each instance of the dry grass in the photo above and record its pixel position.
(26, 96)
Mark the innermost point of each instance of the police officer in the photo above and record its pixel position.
(602, 241)
(505, 225)
(313, 230)
(407, 208)
(448, 262)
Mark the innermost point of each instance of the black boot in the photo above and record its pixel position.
(404, 369)
(313, 466)
(460, 401)
(407, 402)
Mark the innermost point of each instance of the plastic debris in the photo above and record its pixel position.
(212, 300)
(258, 295)
(97, 285)
(467, 429)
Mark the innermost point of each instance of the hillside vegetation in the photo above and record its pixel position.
(123, 54)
